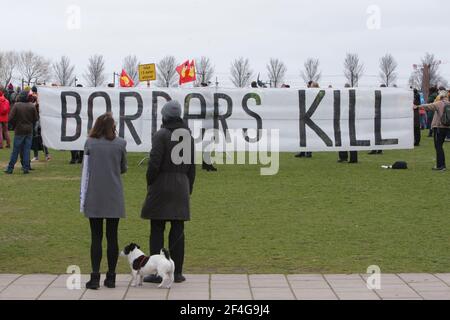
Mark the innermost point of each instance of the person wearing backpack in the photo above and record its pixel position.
(440, 125)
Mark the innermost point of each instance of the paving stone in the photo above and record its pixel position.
(314, 294)
(229, 277)
(357, 295)
(346, 277)
(36, 279)
(356, 284)
(272, 294)
(430, 286)
(435, 295)
(231, 294)
(57, 293)
(397, 293)
(302, 284)
(6, 279)
(188, 295)
(117, 293)
(445, 277)
(146, 293)
(268, 281)
(196, 278)
(386, 278)
(229, 285)
(22, 291)
(418, 277)
(305, 277)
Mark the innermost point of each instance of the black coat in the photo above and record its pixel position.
(169, 185)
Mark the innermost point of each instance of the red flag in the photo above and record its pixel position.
(125, 80)
(187, 72)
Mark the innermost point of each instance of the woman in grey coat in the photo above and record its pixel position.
(169, 186)
(104, 197)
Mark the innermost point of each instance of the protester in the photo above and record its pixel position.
(432, 95)
(23, 116)
(169, 186)
(4, 112)
(37, 143)
(416, 118)
(311, 84)
(440, 130)
(344, 156)
(104, 198)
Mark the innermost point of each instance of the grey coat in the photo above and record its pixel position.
(169, 185)
(107, 161)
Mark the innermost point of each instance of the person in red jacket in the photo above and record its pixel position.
(4, 112)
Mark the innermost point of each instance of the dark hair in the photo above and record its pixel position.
(104, 127)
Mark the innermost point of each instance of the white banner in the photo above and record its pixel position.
(302, 119)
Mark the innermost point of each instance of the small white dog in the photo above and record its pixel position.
(161, 264)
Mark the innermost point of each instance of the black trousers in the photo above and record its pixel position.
(439, 135)
(417, 132)
(76, 155)
(112, 250)
(176, 240)
(343, 155)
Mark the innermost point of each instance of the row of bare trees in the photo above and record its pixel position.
(33, 68)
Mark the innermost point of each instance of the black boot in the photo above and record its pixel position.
(94, 283)
(110, 281)
(178, 277)
(153, 278)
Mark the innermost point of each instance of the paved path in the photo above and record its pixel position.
(236, 287)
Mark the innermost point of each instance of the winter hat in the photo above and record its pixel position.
(171, 109)
(23, 96)
(10, 86)
(34, 89)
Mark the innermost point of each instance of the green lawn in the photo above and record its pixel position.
(314, 216)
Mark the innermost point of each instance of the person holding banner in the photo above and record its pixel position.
(106, 158)
(440, 129)
(170, 181)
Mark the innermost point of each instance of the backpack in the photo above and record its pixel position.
(445, 117)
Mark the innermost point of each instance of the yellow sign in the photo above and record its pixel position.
(147, 72)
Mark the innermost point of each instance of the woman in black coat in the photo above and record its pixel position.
(169, 186)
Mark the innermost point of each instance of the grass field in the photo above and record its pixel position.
(315, 215)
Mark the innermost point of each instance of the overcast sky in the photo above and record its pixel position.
(291, 30)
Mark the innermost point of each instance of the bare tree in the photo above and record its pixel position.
(353, 69)
(311, 72)
(95, 74)
(64, 71)
(8, 65)
(33, 67)
(388, 65)
(166, 73)
(240, 72)
(205, 70)
(131, 66)
(276, 72)
(416, 77)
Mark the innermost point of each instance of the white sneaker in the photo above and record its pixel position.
(34, 159)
